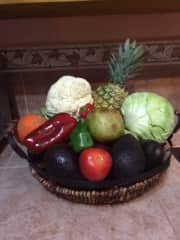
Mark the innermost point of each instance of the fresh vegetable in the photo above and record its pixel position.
(148, 116)
(128, 157)
(27, 124)
(45, 113)
(61, 162)
(85, 110)
(54, 130)
(154, 153)
(80, 137)
(68, 94)
(105, 125)
(95, 164)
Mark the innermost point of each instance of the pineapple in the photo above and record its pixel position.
(121, 68)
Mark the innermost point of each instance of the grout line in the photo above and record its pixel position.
(9, 159)
(15, 167)
(3, 168)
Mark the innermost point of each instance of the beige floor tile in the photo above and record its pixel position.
(169, 198)
(17, 162)
(28, 211)
(15, 177)
(5, 156)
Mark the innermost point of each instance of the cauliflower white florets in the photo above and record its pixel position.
(68, 94)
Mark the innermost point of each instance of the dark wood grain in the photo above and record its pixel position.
(96, 7)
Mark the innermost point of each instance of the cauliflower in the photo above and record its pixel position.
(68, 94)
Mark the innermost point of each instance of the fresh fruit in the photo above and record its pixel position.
(55, 130)
(122, 67)
(109, 96)
(85, 110)
(105, 125)
(154, 153)
(95, 164)
(27, 124)
(61, 162)
(128, 157)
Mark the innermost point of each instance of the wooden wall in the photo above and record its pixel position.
(34, 52)
(53, 31)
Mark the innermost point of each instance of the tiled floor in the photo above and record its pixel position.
(28, 211)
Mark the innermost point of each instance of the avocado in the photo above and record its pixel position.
(154, 154)
(61, 162)
(128, 157)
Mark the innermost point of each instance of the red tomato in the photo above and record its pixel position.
(95, 164)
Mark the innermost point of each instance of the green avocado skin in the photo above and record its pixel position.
(128, 157)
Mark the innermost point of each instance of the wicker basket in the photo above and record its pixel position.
(118, 192)
(113, 195)
(107, 192)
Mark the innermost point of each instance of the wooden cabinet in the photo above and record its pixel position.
(44, 8)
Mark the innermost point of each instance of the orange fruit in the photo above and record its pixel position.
(27, 124)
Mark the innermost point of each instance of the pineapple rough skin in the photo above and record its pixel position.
(122, 66)
(109, 96)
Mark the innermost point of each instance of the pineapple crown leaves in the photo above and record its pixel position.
(126, 63)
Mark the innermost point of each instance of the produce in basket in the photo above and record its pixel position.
(79, 120)
(80, 137)
(149, 116)
(95, 164)
(154, 153)
(105, 125)
(122, 67)
(61, 162)
(55, 130)
(68, 94)
(26, 124)
(128, 157)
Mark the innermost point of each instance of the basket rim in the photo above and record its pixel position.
(100, 197)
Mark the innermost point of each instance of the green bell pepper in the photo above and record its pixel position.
(80, 137)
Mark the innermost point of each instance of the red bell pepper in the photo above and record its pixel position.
(53, 131)
(85, 110)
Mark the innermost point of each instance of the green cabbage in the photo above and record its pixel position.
(149, 116)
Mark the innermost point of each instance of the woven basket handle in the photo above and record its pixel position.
(176, 150)
(177, 123)
(177, 127)
(12, 142)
